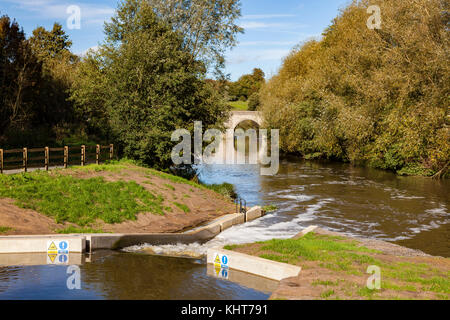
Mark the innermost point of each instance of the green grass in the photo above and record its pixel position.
(224, 189)
(325, 283)
(169, 186)
(183, 207)
(239, 105)
(113, 166)
(5, 229)
(80, 201)
(326, 294)
(231, 247)
(72, 229)
(335, 254)
(348, 257)
(171, 177)
(269, 208)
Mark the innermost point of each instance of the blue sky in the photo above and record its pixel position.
(272, 28)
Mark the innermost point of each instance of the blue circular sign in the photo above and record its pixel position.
(63, 258)
(224, 260)
(63, 245)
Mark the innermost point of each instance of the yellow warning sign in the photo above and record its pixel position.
(217, 260)
(52, 257)
(52, 247)
(217, 268)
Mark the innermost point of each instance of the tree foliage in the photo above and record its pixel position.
(374, 96)
(247, 85)
(20, 73)
(145, 84)
(35, 76)
(208, 27)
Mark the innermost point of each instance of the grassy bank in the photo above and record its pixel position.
(80, 201)
(336, 268)
(239, 105)
(110, 193)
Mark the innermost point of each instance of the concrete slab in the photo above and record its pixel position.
(36, 244)
(305, 231)
(243, 278)
(253, 213)
(254, 265)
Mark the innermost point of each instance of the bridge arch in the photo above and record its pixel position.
(237, 117)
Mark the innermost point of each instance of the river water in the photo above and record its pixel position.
(411, 211)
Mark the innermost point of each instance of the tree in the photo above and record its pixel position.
(50, 44)
(253, 102)
(247, 85)
(208, 27)
(148, 82)
(19, 76)
(52, 47)
(378, 97)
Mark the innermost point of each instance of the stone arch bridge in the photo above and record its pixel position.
(237, 117)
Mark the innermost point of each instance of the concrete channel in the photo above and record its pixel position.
(250, 271)
(80, 243)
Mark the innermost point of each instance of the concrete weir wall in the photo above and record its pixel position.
(92, 242)
(38, 244)
(239, 263)
(254, 265)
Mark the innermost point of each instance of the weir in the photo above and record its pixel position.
(91, 242)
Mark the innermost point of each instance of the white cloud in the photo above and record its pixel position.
(275, 26)
(85, 52)
(258, 56)
(53, 9)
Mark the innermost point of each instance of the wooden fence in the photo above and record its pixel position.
(46, 157)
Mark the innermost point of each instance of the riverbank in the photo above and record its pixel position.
(113, 198)
(335, 267)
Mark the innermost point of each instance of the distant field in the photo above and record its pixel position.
(239, 105)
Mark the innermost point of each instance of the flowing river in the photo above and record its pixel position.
(410, 211)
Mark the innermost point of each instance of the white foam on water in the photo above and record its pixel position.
(299, 198)
(347, 182)
(256, 230)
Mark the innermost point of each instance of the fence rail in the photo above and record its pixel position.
(32, 158)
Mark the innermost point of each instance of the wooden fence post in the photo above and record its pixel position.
(111, 151)
(25, 159)
(1, 160)
(97, 154)
(83, 155)
(46, 157)
(66, 156)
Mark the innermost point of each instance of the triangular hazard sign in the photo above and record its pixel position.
(52, 247)
(52, 257)
(217, 260)
(217, 269)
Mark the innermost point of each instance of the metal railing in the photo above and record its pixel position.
(241, 205)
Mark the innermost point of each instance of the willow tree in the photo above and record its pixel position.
(208, 27)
